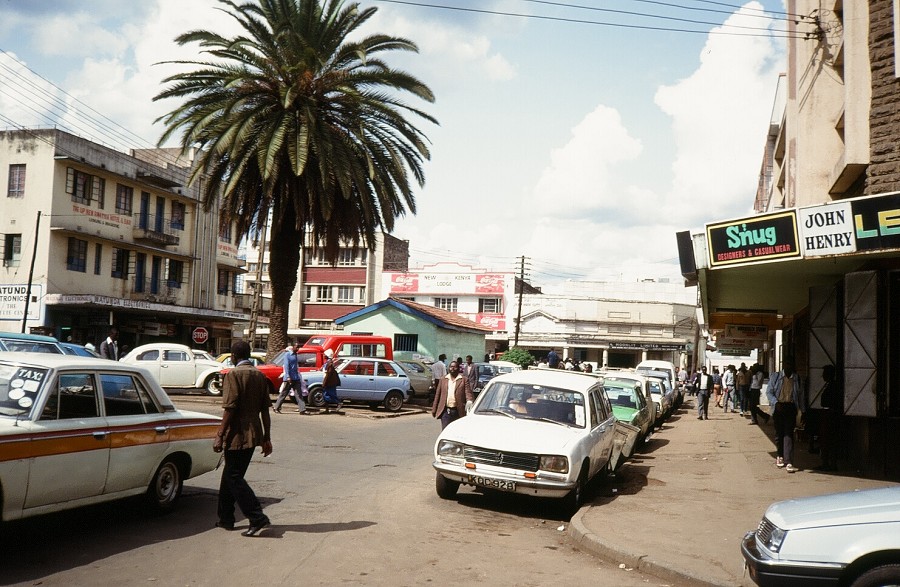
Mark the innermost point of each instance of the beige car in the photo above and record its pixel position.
(420, 377)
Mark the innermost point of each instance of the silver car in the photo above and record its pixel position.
(364, 379)
(850, 538)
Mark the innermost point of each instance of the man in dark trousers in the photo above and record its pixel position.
(704, 385)
(245, 425)
(452, 397)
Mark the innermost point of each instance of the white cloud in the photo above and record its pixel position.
(719, 117)
(77, 35)
(578, 177)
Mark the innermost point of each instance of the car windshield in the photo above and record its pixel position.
(537, 402)
(30, 346)
(19, 387)
(621, 396)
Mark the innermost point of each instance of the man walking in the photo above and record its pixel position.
(245, 425)
(438, 369)
(109, 348)
(756, 381)
(552, 359)
(452, 397)
(291, 380)
(704, 386)
(728, 384)
(471, 373)
(784, 392)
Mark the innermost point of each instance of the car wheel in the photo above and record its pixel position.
(213, 385)
(316, 397)
(393, 401)
(446, 489)
(575, 499)
(883, 575)
(166, 486)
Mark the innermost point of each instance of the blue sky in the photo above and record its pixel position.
(583, 147)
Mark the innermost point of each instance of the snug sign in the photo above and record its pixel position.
(755, 239)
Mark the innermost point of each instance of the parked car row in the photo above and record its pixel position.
(549, 432)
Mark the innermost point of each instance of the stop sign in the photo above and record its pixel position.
(200, 335)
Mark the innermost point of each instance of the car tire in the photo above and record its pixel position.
(213, 385)
(166, 486)
(393, 401)
(575, 499)
(883, 575)
(316, 397)
(446, 489)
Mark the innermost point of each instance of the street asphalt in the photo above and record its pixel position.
(679, 509)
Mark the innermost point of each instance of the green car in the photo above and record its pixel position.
(630, 405)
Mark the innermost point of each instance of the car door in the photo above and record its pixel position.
(357, 380)
(177, 369)
(387, 377)
(151, 361)
(602, 429)
(138, 431)
(71, 443)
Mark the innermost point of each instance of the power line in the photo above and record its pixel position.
(768, 34)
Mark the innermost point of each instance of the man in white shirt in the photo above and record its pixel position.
(438, 369)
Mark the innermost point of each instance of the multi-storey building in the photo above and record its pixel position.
(326, 291)
(817, 270)
(94, 238)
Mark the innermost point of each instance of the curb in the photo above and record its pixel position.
(593, 544)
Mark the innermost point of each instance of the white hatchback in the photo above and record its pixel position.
(542, 432)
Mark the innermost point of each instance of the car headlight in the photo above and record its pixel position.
(449, 448)
(554, 463)
(776, 539)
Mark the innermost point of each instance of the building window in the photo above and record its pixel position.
(178, 213)
(345, 294)
(76, 256)
(78, 185)
(323, 293)
(16, 181)
(225, 232)
(124, 198)
(98, 191)
(308, 294)
(345, 257)
(489, 306)
(406, 342)
(98, 257)
(448, 304)
(120, 263)
(12, 250)
(175, 274)
(222, 282)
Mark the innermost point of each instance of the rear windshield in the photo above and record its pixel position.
(29, 346)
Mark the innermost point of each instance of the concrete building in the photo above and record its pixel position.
(114, 239)
(814, 275)
(612, 324)
(419, 330)
(324, 291)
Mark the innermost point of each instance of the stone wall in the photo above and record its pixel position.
(883, 174)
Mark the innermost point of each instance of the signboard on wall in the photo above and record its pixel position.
(877, 222)
(827, 230)
(448, 283)
(755, 239)
(12, 301)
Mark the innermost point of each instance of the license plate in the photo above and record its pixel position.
(500, 484)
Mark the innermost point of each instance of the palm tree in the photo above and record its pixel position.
(294, 119)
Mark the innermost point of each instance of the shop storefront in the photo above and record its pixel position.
(824, 283)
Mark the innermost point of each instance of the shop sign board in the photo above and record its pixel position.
(755, 239)
(12, 301)
(752, 332)
(877, 222)
(827, 230)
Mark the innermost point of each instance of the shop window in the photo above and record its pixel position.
(76, 256)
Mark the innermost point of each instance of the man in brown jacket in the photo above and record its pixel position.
(245, 425)
(452, 396)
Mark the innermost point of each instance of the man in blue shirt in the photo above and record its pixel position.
(291, 380)
(553, 359)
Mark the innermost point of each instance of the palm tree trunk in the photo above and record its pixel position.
(284, 259)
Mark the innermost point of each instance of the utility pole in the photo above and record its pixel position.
(257, 291)
(37, 227)
(521, 288)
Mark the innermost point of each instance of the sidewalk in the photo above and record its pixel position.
(680, 507)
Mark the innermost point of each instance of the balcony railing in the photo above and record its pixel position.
(154, 290)
(157, 229)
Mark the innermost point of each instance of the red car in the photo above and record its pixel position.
(272, 371)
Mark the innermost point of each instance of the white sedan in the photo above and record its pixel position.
(543, 432)
(176, 365)
(76, 431)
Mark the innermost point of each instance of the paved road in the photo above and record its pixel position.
(352, 502)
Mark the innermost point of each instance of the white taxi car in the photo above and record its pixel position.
(542, 432)
(77, 431)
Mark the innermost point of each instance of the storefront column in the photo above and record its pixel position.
(605, 358)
